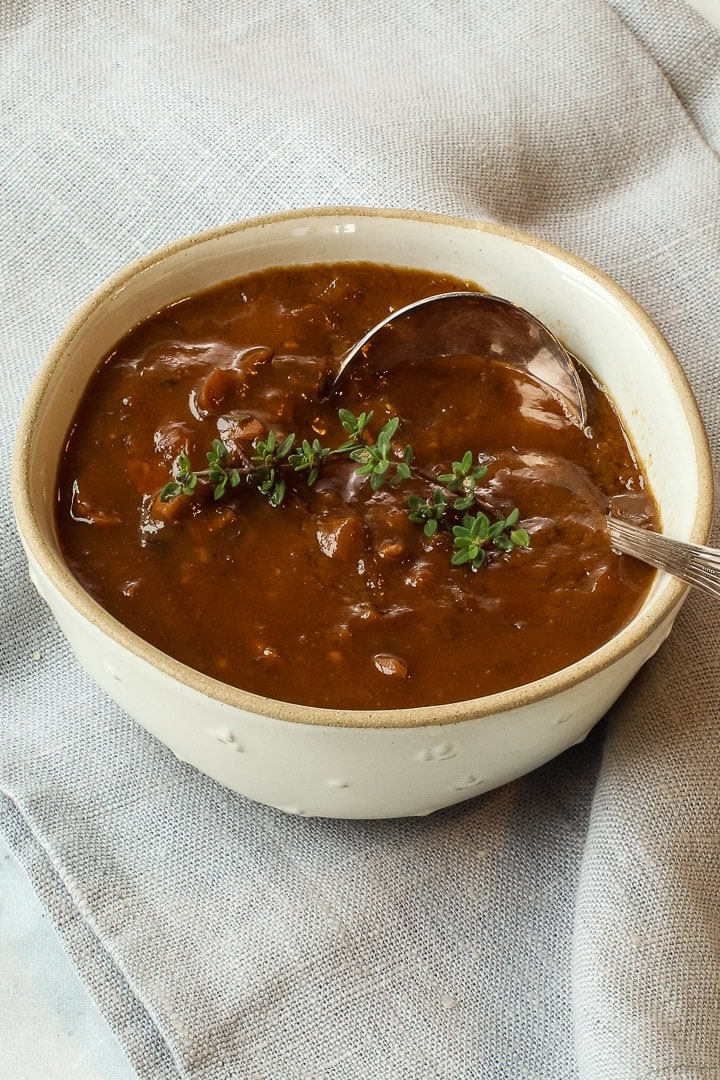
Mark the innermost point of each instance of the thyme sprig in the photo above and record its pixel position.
(217, 473)
(309, 456)
(452, 494)
(266, 462)
(472, 536)
(374, 459)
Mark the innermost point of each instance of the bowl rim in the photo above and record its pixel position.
(48, 559)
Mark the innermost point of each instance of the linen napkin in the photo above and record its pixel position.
(567, 925)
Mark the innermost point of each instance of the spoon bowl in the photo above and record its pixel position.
(465, 323)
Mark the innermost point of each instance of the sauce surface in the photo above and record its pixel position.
(335, 598)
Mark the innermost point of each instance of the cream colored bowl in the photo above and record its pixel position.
(370, 764)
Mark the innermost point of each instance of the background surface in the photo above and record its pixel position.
(49, 1026)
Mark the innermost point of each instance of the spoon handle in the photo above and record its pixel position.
(692, 563)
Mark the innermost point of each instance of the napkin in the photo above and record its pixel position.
(566, 925)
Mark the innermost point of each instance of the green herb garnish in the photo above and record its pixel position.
(452, 494)
(472, 536)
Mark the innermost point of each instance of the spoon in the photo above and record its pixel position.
(692, 563)
(478, 324)
(472, 324)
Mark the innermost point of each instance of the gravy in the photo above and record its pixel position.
(335, 598)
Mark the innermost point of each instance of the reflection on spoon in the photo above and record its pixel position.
(472, 324)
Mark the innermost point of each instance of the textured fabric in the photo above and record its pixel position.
(564, 926)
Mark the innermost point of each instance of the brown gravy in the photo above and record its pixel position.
(335, 598)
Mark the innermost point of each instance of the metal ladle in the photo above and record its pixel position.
(465, 323)
(472, 324)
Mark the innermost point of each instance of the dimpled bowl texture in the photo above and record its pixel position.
(380, 764)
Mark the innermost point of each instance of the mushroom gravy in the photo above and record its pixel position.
(335, 598)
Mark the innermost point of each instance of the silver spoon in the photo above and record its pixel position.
(472, 324)
(692, 563)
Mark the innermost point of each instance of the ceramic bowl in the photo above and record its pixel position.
(353, 764)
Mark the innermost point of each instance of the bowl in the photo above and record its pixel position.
(375, 764)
